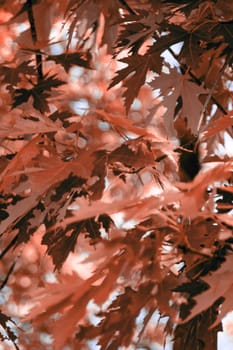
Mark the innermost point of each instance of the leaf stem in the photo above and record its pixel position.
(198, 252)
(197, 80)
(220, 73)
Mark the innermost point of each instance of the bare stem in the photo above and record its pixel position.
(193, 76)
(34, 40)
(220, 73)
(198, 252)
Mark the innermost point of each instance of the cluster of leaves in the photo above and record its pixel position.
(139, 184)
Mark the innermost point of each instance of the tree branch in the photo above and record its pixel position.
(34, 40)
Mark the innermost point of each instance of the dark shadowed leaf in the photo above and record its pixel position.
(68, 60)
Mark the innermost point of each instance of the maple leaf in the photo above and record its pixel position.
(61, 115)
(121, 122)
(72, 301)
(58, 297)
(193, 196)
(128, 303)
(217, 125)
(67, 60)
(136, 29)
(164, 295)
(191, 48)
(63, 172)
(11, 75)
(61, 242)
(28, 125)
(87, 14)
(189, 39)
(175, 85)
(6, 323)
(39, 93)
(100, 171)
(21, 96)
(40, 213)
(77, 12)
(135, 74)
(134, 154)
(197, 332)
(220, 285)
(48, 83)
(173, 34)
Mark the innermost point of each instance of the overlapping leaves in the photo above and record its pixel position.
(55, 173)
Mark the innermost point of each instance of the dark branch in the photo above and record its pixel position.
(9, 246)
(34, 40)
(199, 82)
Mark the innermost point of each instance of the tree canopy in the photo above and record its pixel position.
(116, 194)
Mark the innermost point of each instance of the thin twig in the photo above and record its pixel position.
(9, 246)
(198, 252)
(197, 80)
(187, 249)
(220, 73)
(220, 107)
(34, 40)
